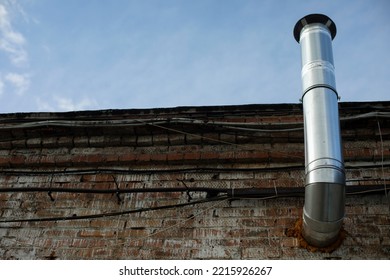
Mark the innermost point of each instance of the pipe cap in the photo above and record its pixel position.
(314, 18)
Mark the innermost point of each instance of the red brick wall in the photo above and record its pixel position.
(89, 154)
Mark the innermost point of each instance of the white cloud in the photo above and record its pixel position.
(11, 41)
(16, 6)
(44, 105)
(21, 82)
(58, 103)
(67, 104)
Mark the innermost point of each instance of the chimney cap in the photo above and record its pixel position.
(314, 18)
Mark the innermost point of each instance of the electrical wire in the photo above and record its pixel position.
(112, 214)
(183, 221)
(158, 121)
(212, 192)
(127, 171)
(93, 171)
(241, 146)
(176, 225)
(236, 194)
(220, 200)
(111, 191)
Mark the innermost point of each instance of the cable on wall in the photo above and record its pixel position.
(113, 214)
(235, 194)
(158, 121)
(127, 171)
(212, 192)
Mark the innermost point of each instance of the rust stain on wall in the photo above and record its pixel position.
(296, 232)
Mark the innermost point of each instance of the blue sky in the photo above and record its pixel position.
(58, 55)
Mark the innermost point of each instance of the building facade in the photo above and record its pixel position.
(218, 182)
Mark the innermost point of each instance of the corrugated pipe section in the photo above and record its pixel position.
(323, 211)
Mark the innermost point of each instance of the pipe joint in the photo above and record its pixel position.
(320, 234)
(323, 213)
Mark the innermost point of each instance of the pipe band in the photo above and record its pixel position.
(321, 86)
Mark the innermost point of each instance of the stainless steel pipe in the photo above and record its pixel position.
(323, 211)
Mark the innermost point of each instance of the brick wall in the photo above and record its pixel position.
(49, 163)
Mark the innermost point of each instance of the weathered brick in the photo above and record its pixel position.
(96, 141)
(16, 144)
(192, 156)
(17, 160)
(33, 160)
(259, 222)
(175, 157)
(158, 157)
(5, 145)
(209, 233)
(215, 253)
(127, 157)
(4, 161)
(94, 159)
(49, 142)
(160, 139)
(176, 139)
(209, 155)
(143, 157)
(97, 233)
(134, 232)
(80, 141)
(144, 140)
(34, 142)
(385, 240)
(253, 253)
(129, 141)
(63, 160)
(289, 242)
(102, 253)
(65, 141)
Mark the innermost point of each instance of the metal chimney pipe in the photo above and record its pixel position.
(323, 211)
